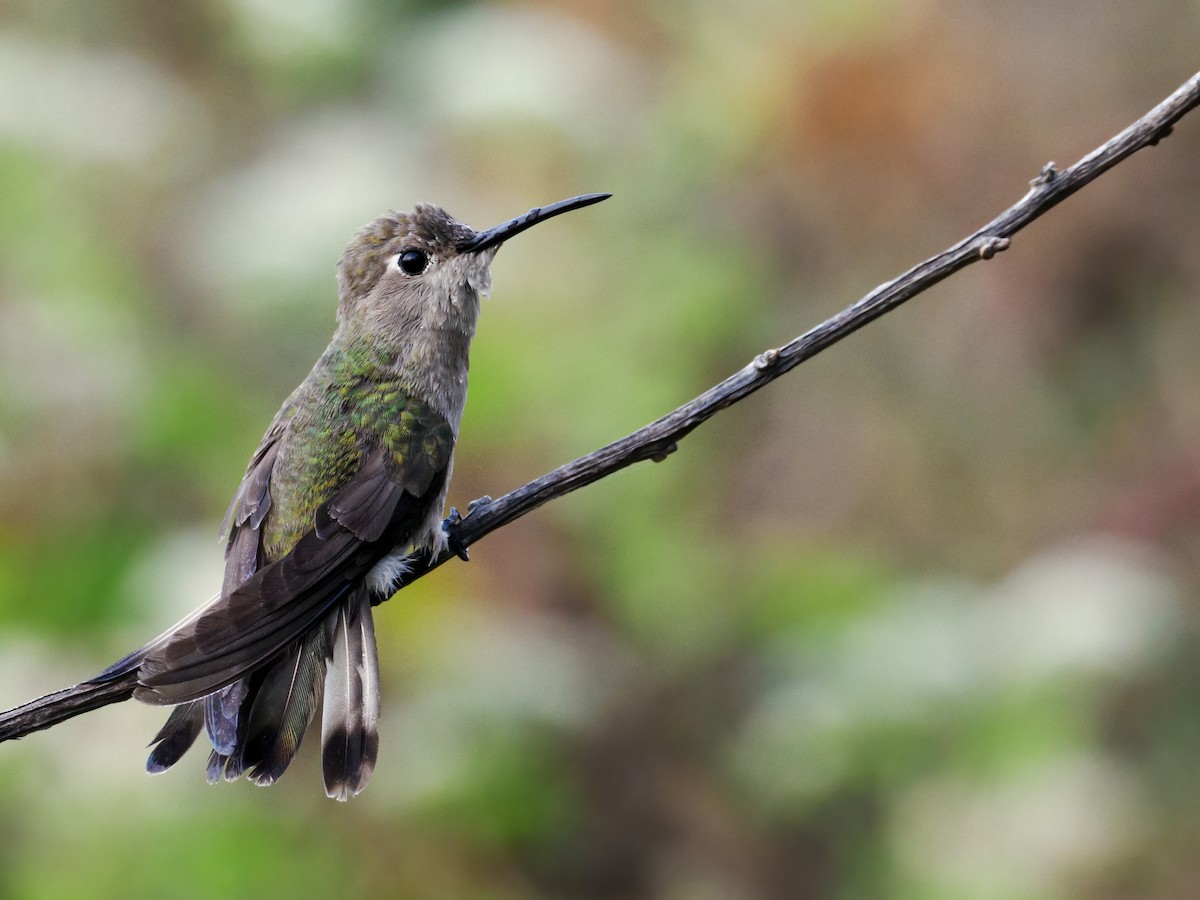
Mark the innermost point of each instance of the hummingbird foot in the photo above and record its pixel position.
(450, 529)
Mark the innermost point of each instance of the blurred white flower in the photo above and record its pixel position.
(1027, 835)
(89, 105)
(284, 219)
(498, 63)
(1094, 611)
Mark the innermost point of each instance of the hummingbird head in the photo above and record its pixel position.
(405, 270)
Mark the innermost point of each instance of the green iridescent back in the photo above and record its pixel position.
(352, 406)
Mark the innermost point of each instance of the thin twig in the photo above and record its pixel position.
(660, 438)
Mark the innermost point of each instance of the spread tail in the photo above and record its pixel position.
(256, 724)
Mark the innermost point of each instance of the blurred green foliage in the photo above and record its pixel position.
(917, 622)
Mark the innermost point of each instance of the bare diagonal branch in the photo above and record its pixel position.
(658, 439)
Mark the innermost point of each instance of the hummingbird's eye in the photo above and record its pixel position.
(412, 262)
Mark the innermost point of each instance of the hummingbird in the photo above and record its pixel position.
(346, 487)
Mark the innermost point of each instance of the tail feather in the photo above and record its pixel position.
(175, 737)
(228, 764)
(221, 715)
(230, 767)
(216, 766)
(350, 729)
(283, 708)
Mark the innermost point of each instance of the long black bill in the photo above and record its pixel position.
(501, 233)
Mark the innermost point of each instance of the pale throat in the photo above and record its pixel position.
(436, 362)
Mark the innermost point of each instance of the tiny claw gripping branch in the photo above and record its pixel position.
(453, 541)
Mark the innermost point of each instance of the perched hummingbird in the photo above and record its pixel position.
(348, 482)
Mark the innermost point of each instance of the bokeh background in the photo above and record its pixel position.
(918, 621)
